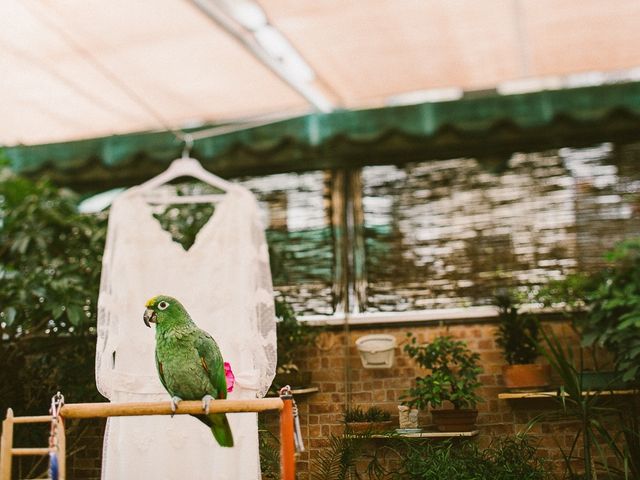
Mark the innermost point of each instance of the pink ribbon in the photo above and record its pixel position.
(231, 379)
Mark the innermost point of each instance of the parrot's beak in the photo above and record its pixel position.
(149, 317)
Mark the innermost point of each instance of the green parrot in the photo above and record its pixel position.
(189, 362)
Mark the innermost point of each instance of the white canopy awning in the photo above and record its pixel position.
(72, 69)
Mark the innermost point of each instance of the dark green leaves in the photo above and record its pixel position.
(454, 373)
(518, 333)
(613, 320)
(50, 258)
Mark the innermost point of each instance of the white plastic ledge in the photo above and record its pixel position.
(450, 314)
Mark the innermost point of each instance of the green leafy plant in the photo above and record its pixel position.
(508, 458)
(340, 459)
(293, 336)
(454, 373)
(518, 334)
(595, 439)
(567, 295)
(269, 448)
(372, 414)
(50, 261)
(613, 319)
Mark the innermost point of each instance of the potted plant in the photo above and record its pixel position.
(292, 337)
(613, 316)
(372, 420)
(605, 311)
(453, 378)
(519, 335)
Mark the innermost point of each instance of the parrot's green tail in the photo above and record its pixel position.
(219, 427)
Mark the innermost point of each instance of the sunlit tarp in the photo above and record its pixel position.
(76, 69)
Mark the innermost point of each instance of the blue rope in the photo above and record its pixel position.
(53, 466)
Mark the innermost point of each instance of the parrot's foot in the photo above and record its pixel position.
(175, 400)
(206, 401)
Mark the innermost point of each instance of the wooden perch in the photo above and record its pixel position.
(92, 410)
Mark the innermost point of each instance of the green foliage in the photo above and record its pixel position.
(269, 448)
(595, 438)
(518, 334)
(613, 320)
(293, 336)
(372, 414)
(611, 298)
(50, 259)
(509, 458)
(454, 373)
(184, 221)
(339, 459)
(568, 294)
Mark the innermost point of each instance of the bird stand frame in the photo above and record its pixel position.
(100, 410)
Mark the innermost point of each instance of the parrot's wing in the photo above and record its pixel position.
(212, 363)
(161, 373)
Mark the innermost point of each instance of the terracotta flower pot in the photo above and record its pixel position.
(530, 376)
(454, 420)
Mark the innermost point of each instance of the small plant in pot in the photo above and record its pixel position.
(518, 335)
(453, 379)
(372, 420)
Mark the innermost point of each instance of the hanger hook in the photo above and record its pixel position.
(188, 144)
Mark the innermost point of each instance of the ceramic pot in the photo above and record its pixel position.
(454, 420)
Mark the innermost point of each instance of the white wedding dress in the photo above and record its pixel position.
(224, 282)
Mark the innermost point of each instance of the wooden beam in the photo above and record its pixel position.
(34, 419)
(30, 451)
(93, 410)
(6, 446)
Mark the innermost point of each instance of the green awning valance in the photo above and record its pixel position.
(481, 126)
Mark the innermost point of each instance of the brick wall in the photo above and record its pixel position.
(321, 412)
(84, 447)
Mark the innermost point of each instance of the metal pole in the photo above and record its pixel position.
(287, 446)
(62, 449)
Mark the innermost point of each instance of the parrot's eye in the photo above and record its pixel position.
(163, 305)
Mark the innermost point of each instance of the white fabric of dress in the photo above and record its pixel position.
(224, 282)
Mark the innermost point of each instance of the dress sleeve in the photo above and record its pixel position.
(107, 314)
(265, 356)
(259, 342)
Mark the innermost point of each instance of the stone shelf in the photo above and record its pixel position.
(299, 391)
(554, 394)
(305, 391)
(471, 433)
